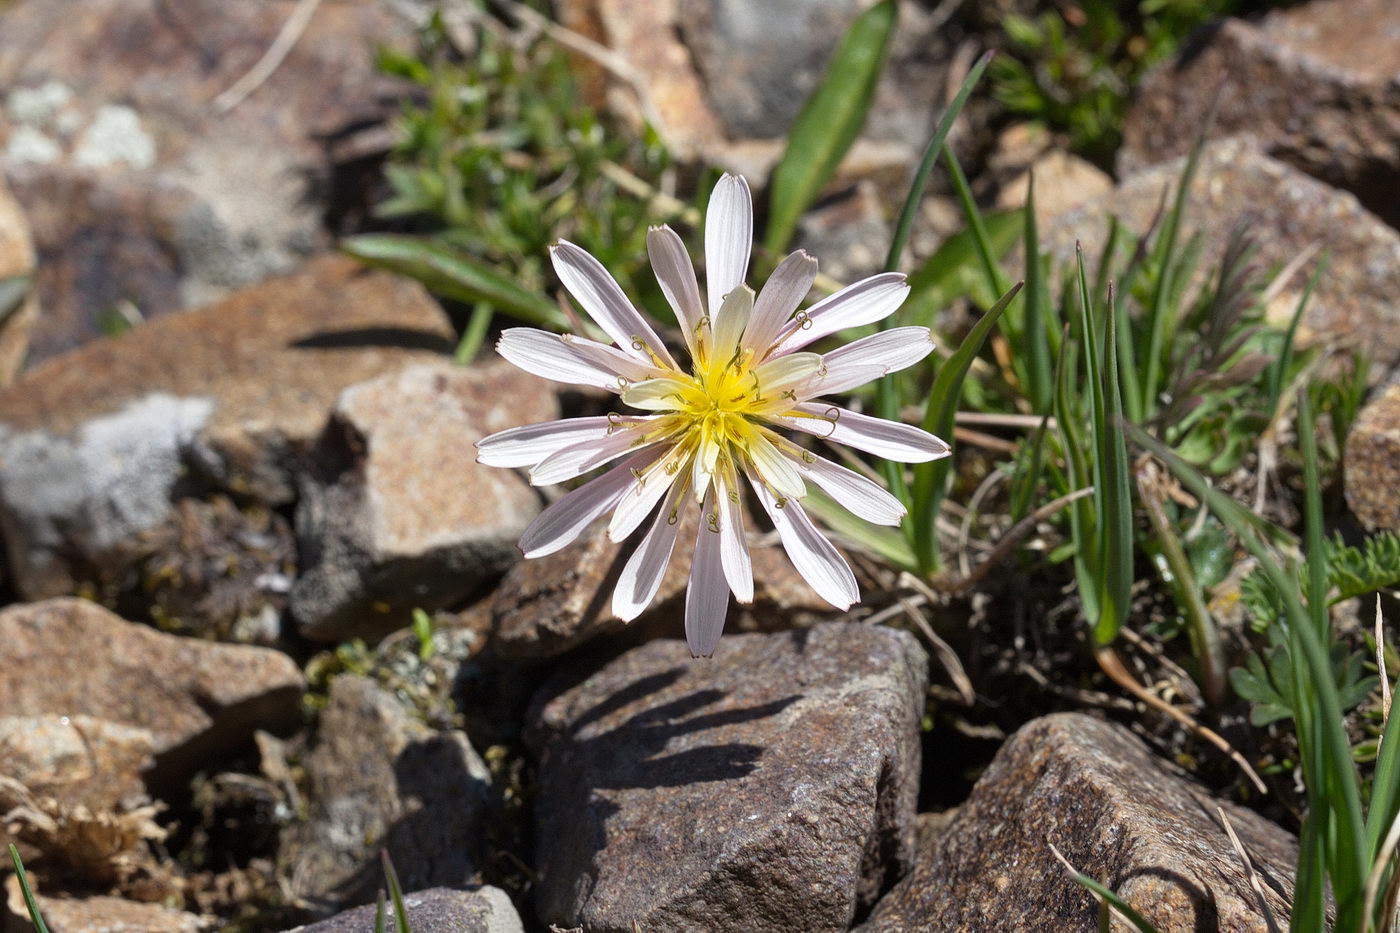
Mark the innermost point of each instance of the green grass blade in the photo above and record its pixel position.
(1040, 382)
(13, 291)
(935, 145)
(952, 272)
(395, 894)
(1117, 503)
(884, 542)
(1309, 911)
(829, 122)
(453, 274)
(1279, 369)
(30, 903)
(1139, 922)
(931, 478)
(986, 255)
(1316, 548)
(379, 918)
(474, 335)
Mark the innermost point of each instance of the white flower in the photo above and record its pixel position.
(702, 431)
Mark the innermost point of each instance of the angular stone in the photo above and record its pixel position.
(1318, 84)
(1118, 813)
(769, 788)
(77, 760)
(96, 914)
(550, 605)
(68, 657)
(1063, 181)
(398, 514)
(18, 311)
(438, 910)
(140, 184)
(97, 444)
(1372, 463)
(1286, 212)
(376, 779)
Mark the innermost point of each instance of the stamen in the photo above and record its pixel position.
(803, 319)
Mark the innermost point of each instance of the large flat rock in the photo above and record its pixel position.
(1371, 463)
(195, 699)
(97, 444)
(771, 788)
(437, 910)
(1318, 84)
(1118, 814)
(397, 514)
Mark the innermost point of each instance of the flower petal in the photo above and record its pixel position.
(663, 393)
(602, 298)
(778, 471)
(857, 494)
(734, 548)
(560, 525)
(781, 295)
(546, 355)
(642, 574)
(577, 459)
(865, 302)
(816, 558)
(786, 373)
(888, 439)
(707, 596)
(729, 324)
(886, 352)
(531, 443)
(728, 238)
(676, 275)
(657, 481)
(611, 358)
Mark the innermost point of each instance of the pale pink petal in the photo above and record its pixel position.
(859, 495)
(865, 302)
(676, 275)
(782, 294)
(734, 549)
(595, 288)
(577, 459)
(728, 238)
(645, 569)
(656, 482)
(820, 564)
(546, 355)
(707, 596)
(888, 439)
(780, 378)
(606, 356)
(729, 324)
(883, 353)
(531, 443)
(561, 523)
(777, 469)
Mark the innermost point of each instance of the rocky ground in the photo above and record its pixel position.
(215, 709)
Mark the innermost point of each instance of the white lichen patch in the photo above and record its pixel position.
(37, 106)
(115, 137)
(27, 144)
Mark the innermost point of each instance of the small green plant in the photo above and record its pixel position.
(30, 904)
(391, 877)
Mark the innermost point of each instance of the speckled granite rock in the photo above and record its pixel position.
(97, 444)
(1118, 813)
(1372, 463)
(140, 185)
(77, 760)
(67, 657)
(1287, 212)
(377, 779)
(437, 910)
(1319, 84)
(550, 605)
(97, 914)
(771, 788)
(397, 514)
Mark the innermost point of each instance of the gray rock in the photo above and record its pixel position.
(195, 699)
(1372, 463)
(1118, 813)
(376, 779)
(96, 445)
(437, 910)
(770, 788)
(1319, 84)
(397, 514)
(1286, 212)
(140, 186)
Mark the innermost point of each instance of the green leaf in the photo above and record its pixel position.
(951, 273)
(30, 903)
(1040, 383)
(881, 541)
(931, 478)
(1121, 906)
(395, 894)
(13, 291)
(829, 123)
(453, 274)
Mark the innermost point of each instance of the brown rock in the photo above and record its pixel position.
(140, 185)
(1319, 84)
(398, 514)
(438, 910)
(68, 657)
(1286, 212)
(95, 445)
(549, 605)
(376, 779)
(1118, 814)
(19, 310)
(97, 914)
(1372, 463)
(77, 760)
(769, 788)
(1062, 182)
